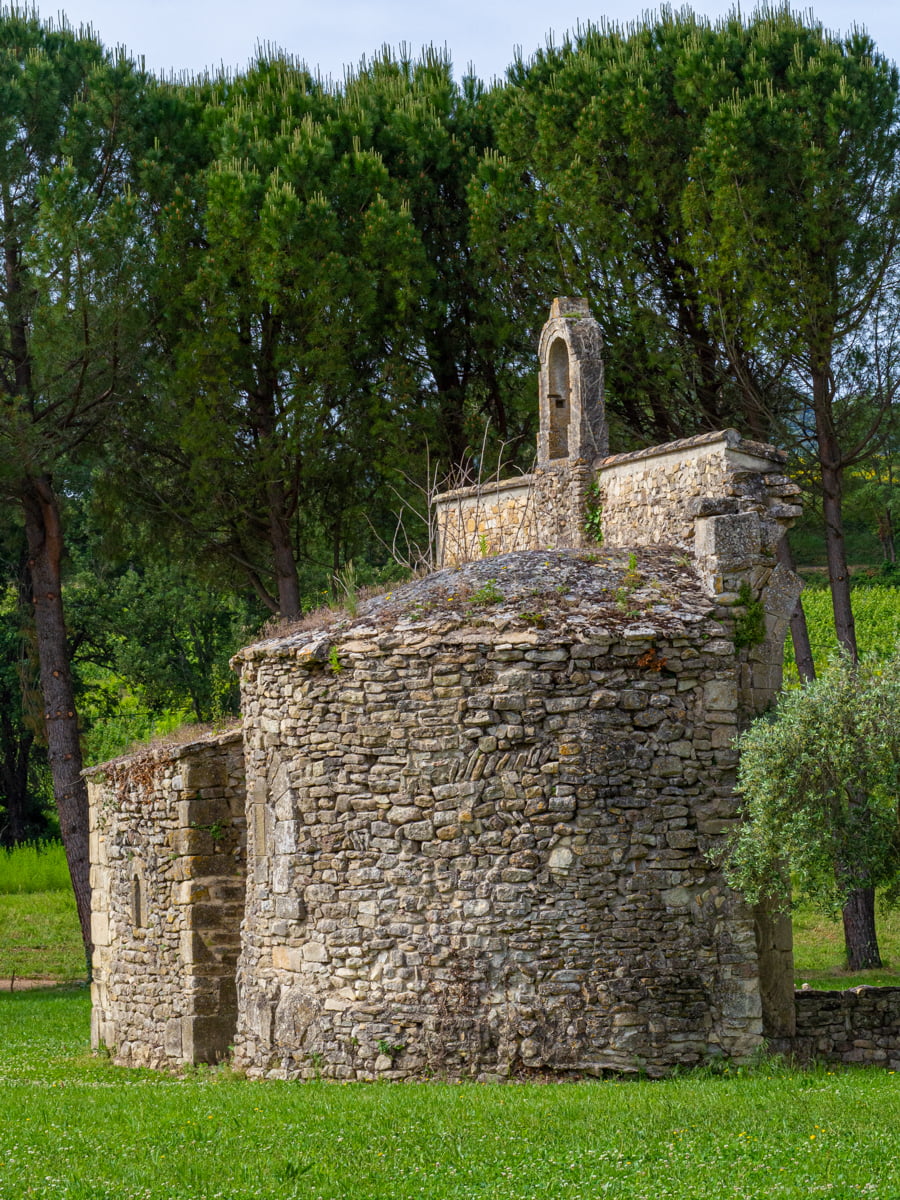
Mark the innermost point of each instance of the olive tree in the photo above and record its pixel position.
(820, 779)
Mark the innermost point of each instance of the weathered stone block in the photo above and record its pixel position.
(204, 773)
(172, 1039)
(286, 958)
(192, 841)
(100, 928)
(730, 540)
(721, 694)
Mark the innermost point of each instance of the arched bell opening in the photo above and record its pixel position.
(559, 399)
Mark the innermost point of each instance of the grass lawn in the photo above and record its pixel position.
(33, 867)
(39, 936)
(77, 1128)
(877, 613)
(819, 951)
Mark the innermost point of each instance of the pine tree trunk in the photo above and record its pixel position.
(280, 503)
(45, 545)
(832, 471)
(859, 930)
(283, 554)
(803, 656)
(451, 391)
(886, 536)
(838, 573)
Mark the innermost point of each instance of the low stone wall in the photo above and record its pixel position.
(528, 512)
(474, 522)
(652, 496)
(854, 1027)
(478, 831)
(168, 864)
(718, 497)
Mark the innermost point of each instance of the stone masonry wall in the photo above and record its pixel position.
(474, 522)
(529, 512)
(478, 826)
(854, 1027)
(168, 852)
(718, 497)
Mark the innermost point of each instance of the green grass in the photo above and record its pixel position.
(34, 867)
(39, 932)
(819, 951)
(40, 936)
(75, 1127)
(876, 610)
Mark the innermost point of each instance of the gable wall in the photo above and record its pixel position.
(717, 497)
(167, 879)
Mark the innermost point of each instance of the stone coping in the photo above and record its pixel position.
(860, 989)
(167, 750)
(730, 437)
(489, 488)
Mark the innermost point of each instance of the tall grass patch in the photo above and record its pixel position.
(876, 610)
(820, 958)
(80, 1129)
(34, 867)
(40, 937)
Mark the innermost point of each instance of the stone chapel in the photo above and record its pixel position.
(472, 830)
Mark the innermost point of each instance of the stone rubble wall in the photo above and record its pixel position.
(860, 1026)
(474, 522)
(474, 853)
(530, 512)
(652, 495)
(168, 865)
(561, 498)
(721, 499)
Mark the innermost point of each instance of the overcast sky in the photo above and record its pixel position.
(190, 35)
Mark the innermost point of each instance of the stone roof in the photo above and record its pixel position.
(180, 743)
(613, 594)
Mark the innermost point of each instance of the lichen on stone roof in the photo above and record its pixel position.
(633, 594)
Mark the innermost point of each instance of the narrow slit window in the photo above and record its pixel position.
(138, 902)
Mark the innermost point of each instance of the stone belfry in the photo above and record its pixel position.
(573, 414)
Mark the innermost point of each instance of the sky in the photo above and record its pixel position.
(192, 35)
